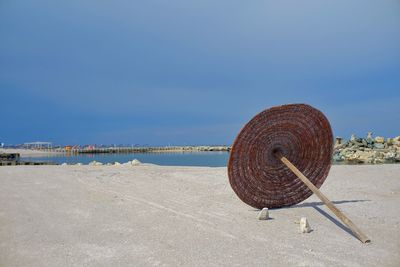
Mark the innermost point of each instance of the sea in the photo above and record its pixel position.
(206, 159)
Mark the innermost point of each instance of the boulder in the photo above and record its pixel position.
(366, 156)
(396, 141)
(378, 155)
(379, 146)
(379, 139)
(369, 160)
(369, 136)
(390, 156)
(338, 157)
(366, 142)
(338, 141)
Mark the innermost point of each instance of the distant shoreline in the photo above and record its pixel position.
(113, 150)
(356, 150)
(28, 152)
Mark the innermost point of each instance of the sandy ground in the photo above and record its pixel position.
(153, 215)
(27, 152)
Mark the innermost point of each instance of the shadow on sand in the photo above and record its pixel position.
(316, 205)
(320, 203)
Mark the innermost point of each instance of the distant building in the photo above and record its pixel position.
(38, 145)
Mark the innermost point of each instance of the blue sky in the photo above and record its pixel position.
(193, 72)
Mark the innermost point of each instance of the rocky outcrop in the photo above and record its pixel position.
(367, 150)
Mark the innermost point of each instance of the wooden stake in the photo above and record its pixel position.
(356, 231)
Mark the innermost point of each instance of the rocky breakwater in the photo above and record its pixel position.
(367, 150)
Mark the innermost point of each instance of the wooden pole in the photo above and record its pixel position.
(356, 231)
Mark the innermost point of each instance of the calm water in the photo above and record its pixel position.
(210, 159)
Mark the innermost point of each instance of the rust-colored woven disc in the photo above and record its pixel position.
(299, 132)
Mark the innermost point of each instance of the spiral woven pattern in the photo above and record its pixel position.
(299, 132)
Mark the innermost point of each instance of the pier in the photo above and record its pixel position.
(13, 159)
(126, 150)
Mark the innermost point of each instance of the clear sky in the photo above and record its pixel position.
(192, 72)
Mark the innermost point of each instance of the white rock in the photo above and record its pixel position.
(95, 163)
(379, 161)
(135, 162)
(64, 164)
(304, 225)
(264, 214)
(379, 139)
(117, 163)
(79, 164)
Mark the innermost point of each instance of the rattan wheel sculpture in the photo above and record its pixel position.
(298, 131)
(281, 157)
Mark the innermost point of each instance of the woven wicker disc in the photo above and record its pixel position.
(299, 132)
